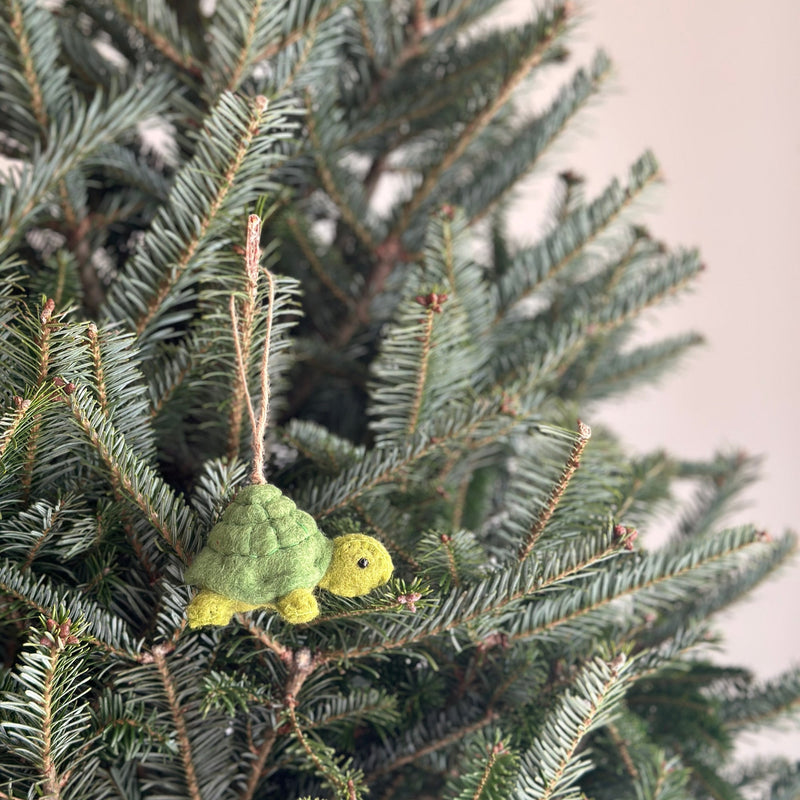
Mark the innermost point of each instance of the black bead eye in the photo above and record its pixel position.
(363, 563)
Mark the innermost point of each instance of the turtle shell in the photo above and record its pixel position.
(262, 548)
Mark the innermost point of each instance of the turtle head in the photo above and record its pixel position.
(359, 564)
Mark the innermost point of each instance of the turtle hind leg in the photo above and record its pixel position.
(298, 606)
(210, 608)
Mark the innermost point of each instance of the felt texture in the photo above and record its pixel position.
(298, 606)
(266, 553)
(262, 548)
(210, 608)
(348, 575)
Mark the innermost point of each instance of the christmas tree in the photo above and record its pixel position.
(266, 241)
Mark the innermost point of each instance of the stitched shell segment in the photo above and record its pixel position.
(262, 547)
(259, 522)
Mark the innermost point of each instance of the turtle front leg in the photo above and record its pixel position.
(298, 606)
(210, 608)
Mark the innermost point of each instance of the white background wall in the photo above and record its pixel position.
(712, 87)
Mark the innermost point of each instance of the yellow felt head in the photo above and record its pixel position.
(359, 564)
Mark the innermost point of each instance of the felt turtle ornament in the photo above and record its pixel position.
(267, 553)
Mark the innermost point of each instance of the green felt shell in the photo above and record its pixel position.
(262, 548)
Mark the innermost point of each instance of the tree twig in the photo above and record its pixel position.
(573, 462)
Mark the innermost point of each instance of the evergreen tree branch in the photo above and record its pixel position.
(237, 73)
(51, 786)
(18, 26)
(567, 340)
(80, 133)
(702, 605)
(584, 433)
(533, 266)
(184, 361)
(159, 655)
(422, 372)
(16, 427)
(330, 184)
(315, 264)
(185, 62)
(491, 183)
(460, 608)
(550, 767)
(490, 772)
(363, 26)
(170, 517)
(42, 345)
(717, 494)
(665, 572)
(99, 371)
(324, 13)
(622, 371)
(494, 754)
(551, 31)
(40, 596)
(52, 522)
(213, 205)
(331, 776)
(381, 466)
(756, 706)
(47, 729)
(434, 746)
(12, 423)
(301, 665)
(102, 400)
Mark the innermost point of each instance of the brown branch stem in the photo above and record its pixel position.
(298, 33)
(316, 264)
(573, 462)
(158, 40)
(487, 771)
(159, 653)
(624, 753)
(445, 741)
(51, 784)
(419, 389)
(301, 665)
(17, 25)
(236, 76)
(102, 400)
(43, 345)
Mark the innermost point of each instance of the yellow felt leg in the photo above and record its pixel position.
(297, 606)
(210, 608)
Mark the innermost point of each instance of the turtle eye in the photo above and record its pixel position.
(363, 563)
